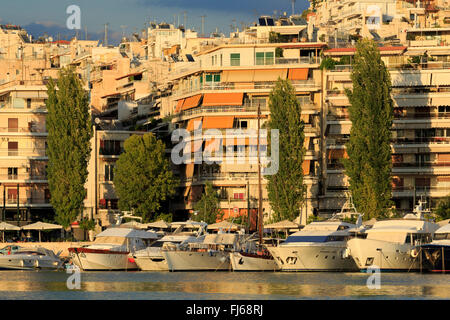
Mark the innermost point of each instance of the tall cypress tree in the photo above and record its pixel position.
(69, 132)
(369, 160)
(285, 188)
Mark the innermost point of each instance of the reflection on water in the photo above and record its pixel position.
(221, 285)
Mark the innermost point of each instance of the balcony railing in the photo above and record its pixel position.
(435, 140)
(25, 201)
(298, 84)
(421, 164)
(24, 152)
(111, 151)
(22, 177)
(30, 129)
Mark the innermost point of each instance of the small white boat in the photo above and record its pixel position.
(393, 245)
(21, 258)
(151, 258)
(112, 249)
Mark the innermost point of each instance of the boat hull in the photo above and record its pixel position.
(312, 257)
(100, 260)
(436, 258)
(248, 262)
(387, 256)
(197, 261)
(29, 262)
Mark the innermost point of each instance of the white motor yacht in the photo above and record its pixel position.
(151, 258)
(391, 245)
(212, 254)
(319, 246)
(21, 258)
(112, 249)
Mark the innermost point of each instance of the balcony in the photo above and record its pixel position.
(252, 87)
(29, 201)
(33, 129)
(23, 152)
(23, 177)
(111, 151)
(429, 140)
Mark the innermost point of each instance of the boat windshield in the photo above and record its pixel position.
(418, 238)
(442, 236)
(315, 238)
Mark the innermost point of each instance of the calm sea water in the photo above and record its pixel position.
(50, 285)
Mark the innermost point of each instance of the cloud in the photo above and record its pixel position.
(261, 7)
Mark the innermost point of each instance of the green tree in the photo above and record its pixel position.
(143, 178)
(285, 188)
(69, 132)
(443, 208)
(208, 207)
(369, 160)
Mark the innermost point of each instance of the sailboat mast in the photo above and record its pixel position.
(260, 214)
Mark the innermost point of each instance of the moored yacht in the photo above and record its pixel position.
(112, 249)
(21, 258)
(391, 245)
(151, 258)
(212, 254)
(319, 246)
(436, 255)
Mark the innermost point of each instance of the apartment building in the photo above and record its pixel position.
(24, 195)
(420, 145)
(222, 90)
(101, 203)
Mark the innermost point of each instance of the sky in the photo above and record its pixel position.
(127, 16)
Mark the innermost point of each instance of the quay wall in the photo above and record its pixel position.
(54, 246)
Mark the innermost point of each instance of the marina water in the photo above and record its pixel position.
(52, 285)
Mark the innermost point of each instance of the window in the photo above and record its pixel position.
(28, 103)
(109, 172)
(12, 173)
(239, 196)
(235, 59)
(264, 58)
(13, 148)
(12, 195)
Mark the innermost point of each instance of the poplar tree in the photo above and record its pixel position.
(208, 207)
(143, 179)
(69, 132)
(285, 188)
(369, 160)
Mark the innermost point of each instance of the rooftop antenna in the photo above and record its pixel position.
(106, 35)
(85, 33)
(293, 6)
(203, 24)
(185, 19)
(123, 31)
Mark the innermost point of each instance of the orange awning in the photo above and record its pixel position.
(191, 102)
(443, 157)
(337, 154)
(192, 122)
(213, 144)
(269, 75)
(298, 74)
(189, 170)
(305, 167)
(224, 122)
(223, 99)
(179, 106)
